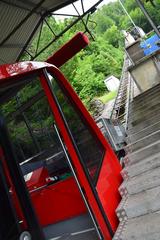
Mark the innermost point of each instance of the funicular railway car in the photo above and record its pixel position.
(59, 177)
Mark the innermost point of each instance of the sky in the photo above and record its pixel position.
(87, 4)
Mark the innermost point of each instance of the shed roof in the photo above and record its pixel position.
(19, 22)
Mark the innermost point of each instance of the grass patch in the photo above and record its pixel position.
(107, 97)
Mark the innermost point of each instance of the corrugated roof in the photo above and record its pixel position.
(19, 20)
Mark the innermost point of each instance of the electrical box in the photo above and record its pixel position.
(113, 132)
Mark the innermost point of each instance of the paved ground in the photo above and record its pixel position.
(108, 109)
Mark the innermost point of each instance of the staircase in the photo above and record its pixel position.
(139, 210)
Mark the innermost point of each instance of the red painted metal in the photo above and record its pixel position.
(69, 49)
(12, 191)
(10, 73)
(107, 187)
(52, 202)
(37, 179)
(112, 162)
(109, 178)
(58, 202)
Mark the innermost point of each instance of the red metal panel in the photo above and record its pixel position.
(79, 169)
(37, 179)
(9, 73)
(58, 202)
(52, 203)
(107, 188)
(13, 192)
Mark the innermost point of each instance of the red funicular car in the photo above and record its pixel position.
(59, 175)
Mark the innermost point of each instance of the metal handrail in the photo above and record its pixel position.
(126, 94)
(121, 81)
(129, 99)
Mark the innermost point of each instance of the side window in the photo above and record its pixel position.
(89, 147)
(31, 126)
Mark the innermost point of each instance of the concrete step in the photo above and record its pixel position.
(119, 231)
(145, 227)
(145, 165)
(142, 153)
(153, 137)
(120, 210)
(140, 126)
(142, 182)
(145, 101)
(147, 94)
(143, 133)
(144, 98)
(143, 115)
(139, 204)
(136, 110)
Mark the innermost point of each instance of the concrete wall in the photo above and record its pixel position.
(146, 74)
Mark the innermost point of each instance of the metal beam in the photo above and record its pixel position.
(49, 27)
(24, 106)
(143, 9)
(39, 37)
(93, 8)
(64, 14)
(82, 6)
(62, 5)
(84, 23)
(29, 39)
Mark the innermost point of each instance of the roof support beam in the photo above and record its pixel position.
(93, 8)
(29, 39)
(85, 25)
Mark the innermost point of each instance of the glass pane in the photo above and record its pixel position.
(89, 147)
(31, 126)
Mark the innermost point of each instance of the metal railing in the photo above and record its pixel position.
(124, 96)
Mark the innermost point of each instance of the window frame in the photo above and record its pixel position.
(83, 176)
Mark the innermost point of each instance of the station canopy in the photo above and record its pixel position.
(19, 21)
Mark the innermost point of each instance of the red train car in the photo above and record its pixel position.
(57, 165)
